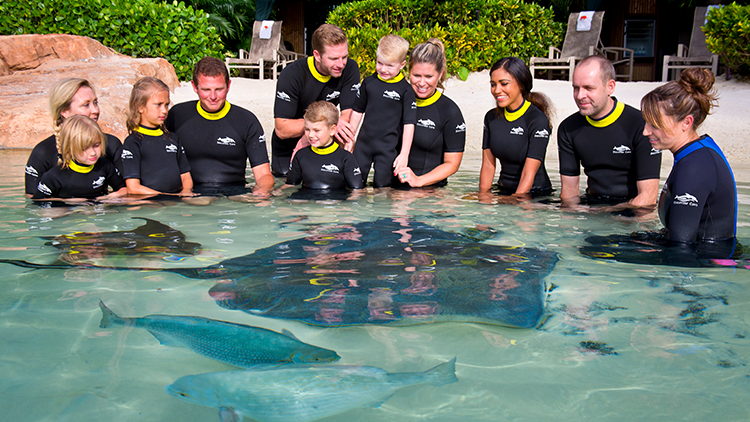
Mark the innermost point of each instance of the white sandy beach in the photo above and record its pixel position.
(729, 125)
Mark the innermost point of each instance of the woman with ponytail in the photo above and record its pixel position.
(516, 133)
(699, 200)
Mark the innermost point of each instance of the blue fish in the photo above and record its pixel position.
(235, 344)
(300, 393)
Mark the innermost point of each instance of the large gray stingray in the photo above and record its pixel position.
(381, 272)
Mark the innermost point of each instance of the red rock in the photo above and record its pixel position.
(30, 64)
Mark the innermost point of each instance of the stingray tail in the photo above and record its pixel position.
(185, 272)
(443, 374)
(108, 317)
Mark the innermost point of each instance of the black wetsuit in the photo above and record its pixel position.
(44, 156)
(300, 84)
(699, 200)
(326, 168)
(156, 158)
(388, 106)
(440, 128)
(78, 181)
(218, 145)
(613, 152)
(512, 137)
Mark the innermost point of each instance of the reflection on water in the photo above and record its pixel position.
(618, 341)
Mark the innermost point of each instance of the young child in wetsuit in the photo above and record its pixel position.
(389, 105)
(323, 165)
(153, 160)
(81, 173)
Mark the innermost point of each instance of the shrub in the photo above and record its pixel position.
(728, 35)
(138, 28)
(476, 33)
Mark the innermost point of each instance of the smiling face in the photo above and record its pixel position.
(332, 60)
(212, 92)
(505, 89)
(90, 155)
(155, 111)
(319, 133)
(85, 103)
(424, 79)
(673, 136)
(591, 94)
(387, 69)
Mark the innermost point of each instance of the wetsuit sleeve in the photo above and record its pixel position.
(350, 78)
(683, 221)
(114, 178)
(352, 172)
(131, 159)
(288, 90)
(486, 135)
(114, 151)
(182, 161)
(410, 106)
(570, 164)
(360, 97)
(255, 143)
(647, 160)
(47, 187)
(454, 132)
(37, 165)
(539, 130)
(294, 177)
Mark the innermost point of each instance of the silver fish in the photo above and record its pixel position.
(300, 393)
(235, 344)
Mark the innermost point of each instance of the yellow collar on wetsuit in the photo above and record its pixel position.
(610, 118)
(429, 101)
(213, 116)
(149, 131)
(78, 168)
(314, 70)
(326, 150)
(394, 79)
(515, 115)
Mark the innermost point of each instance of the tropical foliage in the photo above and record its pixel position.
(728, 35)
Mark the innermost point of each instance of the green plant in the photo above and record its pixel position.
(138, 28)
(475, 33)
(728, 35)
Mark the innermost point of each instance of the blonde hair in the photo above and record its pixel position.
(393, 48)
(327, 35)
(322, 111)
(61, 96)
(142, 91)
(693, 95)
(433, 52)
(77, 134)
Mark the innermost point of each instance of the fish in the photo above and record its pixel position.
(387, 272)
(300, 393)
(238, 345)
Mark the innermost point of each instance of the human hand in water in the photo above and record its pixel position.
(406, 175)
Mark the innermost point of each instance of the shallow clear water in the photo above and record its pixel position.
(680, 335)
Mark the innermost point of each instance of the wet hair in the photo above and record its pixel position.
(61, 96)
(210, 66)
(693, 95)
(432, 52)
(327, 35)
(521, 74)
(142, 91)
(606, 67)
(322, 111)
(393, 48)
(77, 134)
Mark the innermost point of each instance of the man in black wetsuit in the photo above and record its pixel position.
(219, 137)
(606, 138)
(326, 76)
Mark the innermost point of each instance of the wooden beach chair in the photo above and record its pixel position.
(266, 54)
(581, 44)
(697, 55)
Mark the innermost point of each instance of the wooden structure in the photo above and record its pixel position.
(266, 54)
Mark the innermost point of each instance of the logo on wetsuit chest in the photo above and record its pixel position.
(622, 149)
(541, 134)
(126, 155)
(461, 128)
(429, 124)
(655, 151)
(283, 96)
(686, 199)
(226, 141)
(171, 148)
(516, 131)
(31, 171)
(96, 184)
(329, 168)
(332, 96)
(392, 95)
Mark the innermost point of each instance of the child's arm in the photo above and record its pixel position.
(187, 184)
(135, 187)
(403, 158)
(354, 123)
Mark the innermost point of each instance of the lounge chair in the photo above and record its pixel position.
(581, 44)
(266, 54)
(697, 55)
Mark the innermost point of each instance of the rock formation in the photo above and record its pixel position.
(30, 64)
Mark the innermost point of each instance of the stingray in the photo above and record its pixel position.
(388, 271)
(150, 238)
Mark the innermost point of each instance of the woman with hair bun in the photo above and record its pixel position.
(516, 133)
(699, 201)
(440, 133)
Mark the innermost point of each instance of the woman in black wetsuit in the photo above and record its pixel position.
(440, 132)
(699, 201)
